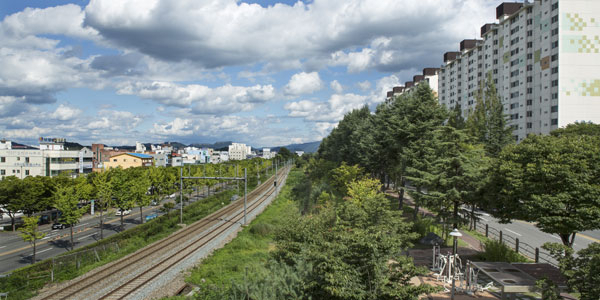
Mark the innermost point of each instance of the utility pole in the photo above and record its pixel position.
(181, 195)
(245, 194)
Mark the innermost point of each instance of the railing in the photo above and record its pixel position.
(534, 253)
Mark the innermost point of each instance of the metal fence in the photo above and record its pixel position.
(58, 268)
(534, 253)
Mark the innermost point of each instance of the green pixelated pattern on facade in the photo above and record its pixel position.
(575, 22)
(580, 44)
(585, 88)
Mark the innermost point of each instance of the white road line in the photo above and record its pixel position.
(512, 232)
(49, 236)
(83, 237)
(555, 237)
(484, 219)
(81, 225)
(2, 247)
(38, 252)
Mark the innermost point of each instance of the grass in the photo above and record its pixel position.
(250, 249)
(24, 283)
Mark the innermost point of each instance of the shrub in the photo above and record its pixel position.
(496, 251)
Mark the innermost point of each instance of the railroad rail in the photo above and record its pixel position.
(122, 278)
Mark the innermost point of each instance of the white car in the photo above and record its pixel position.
(125, 212)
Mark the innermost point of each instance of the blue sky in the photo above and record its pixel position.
(265, 73)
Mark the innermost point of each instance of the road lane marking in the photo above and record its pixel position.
(484, 219)
(38, 252)
(512, 232)
(44, 242)
(2, 247)
(81, 225)
(83, 237)
(588, 237)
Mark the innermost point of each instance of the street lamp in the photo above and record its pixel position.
(455, 233)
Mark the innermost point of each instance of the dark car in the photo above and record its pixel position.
(59, 226)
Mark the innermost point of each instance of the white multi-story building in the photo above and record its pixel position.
(238, 151)
(430, 76)
(266, 153)
(51, 159)
(543, 57)
(140, 148)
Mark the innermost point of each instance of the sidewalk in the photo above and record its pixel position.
(473, 243)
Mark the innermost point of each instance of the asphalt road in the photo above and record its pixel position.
(529, 234)
(15, 253)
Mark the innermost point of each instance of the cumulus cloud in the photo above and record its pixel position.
(364, 85)
(199, 98)
(65, 113)
(336, 87)
(222, 33)
(303, 83)
(331, 111)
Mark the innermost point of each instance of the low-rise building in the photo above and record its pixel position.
(238, 151)
(129, 160)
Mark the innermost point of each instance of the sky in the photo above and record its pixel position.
(264, 73)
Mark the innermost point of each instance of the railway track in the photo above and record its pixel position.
(122, 278)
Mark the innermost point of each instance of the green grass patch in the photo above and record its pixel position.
(250, 249)
(25, 282)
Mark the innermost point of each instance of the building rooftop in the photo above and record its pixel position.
(139, 155)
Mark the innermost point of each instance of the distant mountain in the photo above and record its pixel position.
(311, 147)
(217, 145)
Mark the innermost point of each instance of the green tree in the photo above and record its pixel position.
(552, 181)
(582, 271)
(578, 129)
(66, 200)
(10, 201)
(104, 192)
(487, 123)
(138, 189)
(121, 186)
(343, 176)
(30, 233)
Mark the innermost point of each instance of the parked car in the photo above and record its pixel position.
(125, 212)
(155, 203)
(59, 226)
(150, 217)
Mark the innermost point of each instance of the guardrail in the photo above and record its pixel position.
(534, 253)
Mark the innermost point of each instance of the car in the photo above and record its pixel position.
(155, 203)
(59, 226)
(125, 212)
(150, 217)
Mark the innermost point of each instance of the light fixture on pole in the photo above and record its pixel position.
(455, 234)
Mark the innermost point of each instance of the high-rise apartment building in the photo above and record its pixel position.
(543, 57)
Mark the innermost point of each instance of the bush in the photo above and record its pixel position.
(496, 251)
(261, 229)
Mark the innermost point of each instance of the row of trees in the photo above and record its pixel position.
(552, 180)
(119, 188)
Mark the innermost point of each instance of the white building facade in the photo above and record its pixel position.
(544, 59)
(51, 159)
(238, 151)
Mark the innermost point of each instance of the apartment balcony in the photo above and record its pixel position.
(65, 166)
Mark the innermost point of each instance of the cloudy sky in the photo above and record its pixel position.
(266, 73)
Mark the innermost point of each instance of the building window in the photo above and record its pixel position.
(529, 44)
(529, 125)
(529, 32)
(529, 55)
(554, 95)
(555, 6)
(529, 90)
(18, 158)
(27, 172)
(554, 19)
(514, 84)
(555, 31)
(529, 102)
(27, 159)
(555, 82)
(554, 57)
(529, 78)
(554, 70)
(2, 172)
(114, 160)
(2, 159)
(529, 113)
(529, 21)
(554, 44)
(514, 105)
(554, 108)
(554, 122)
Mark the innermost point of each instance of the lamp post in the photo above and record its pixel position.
(455, 233)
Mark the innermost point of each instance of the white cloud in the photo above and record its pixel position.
(225, 32)
(303, 83)
(65, 113)
(336, 87)
(178, 127)
(331, 111)
(364, 85)
(201, 99)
